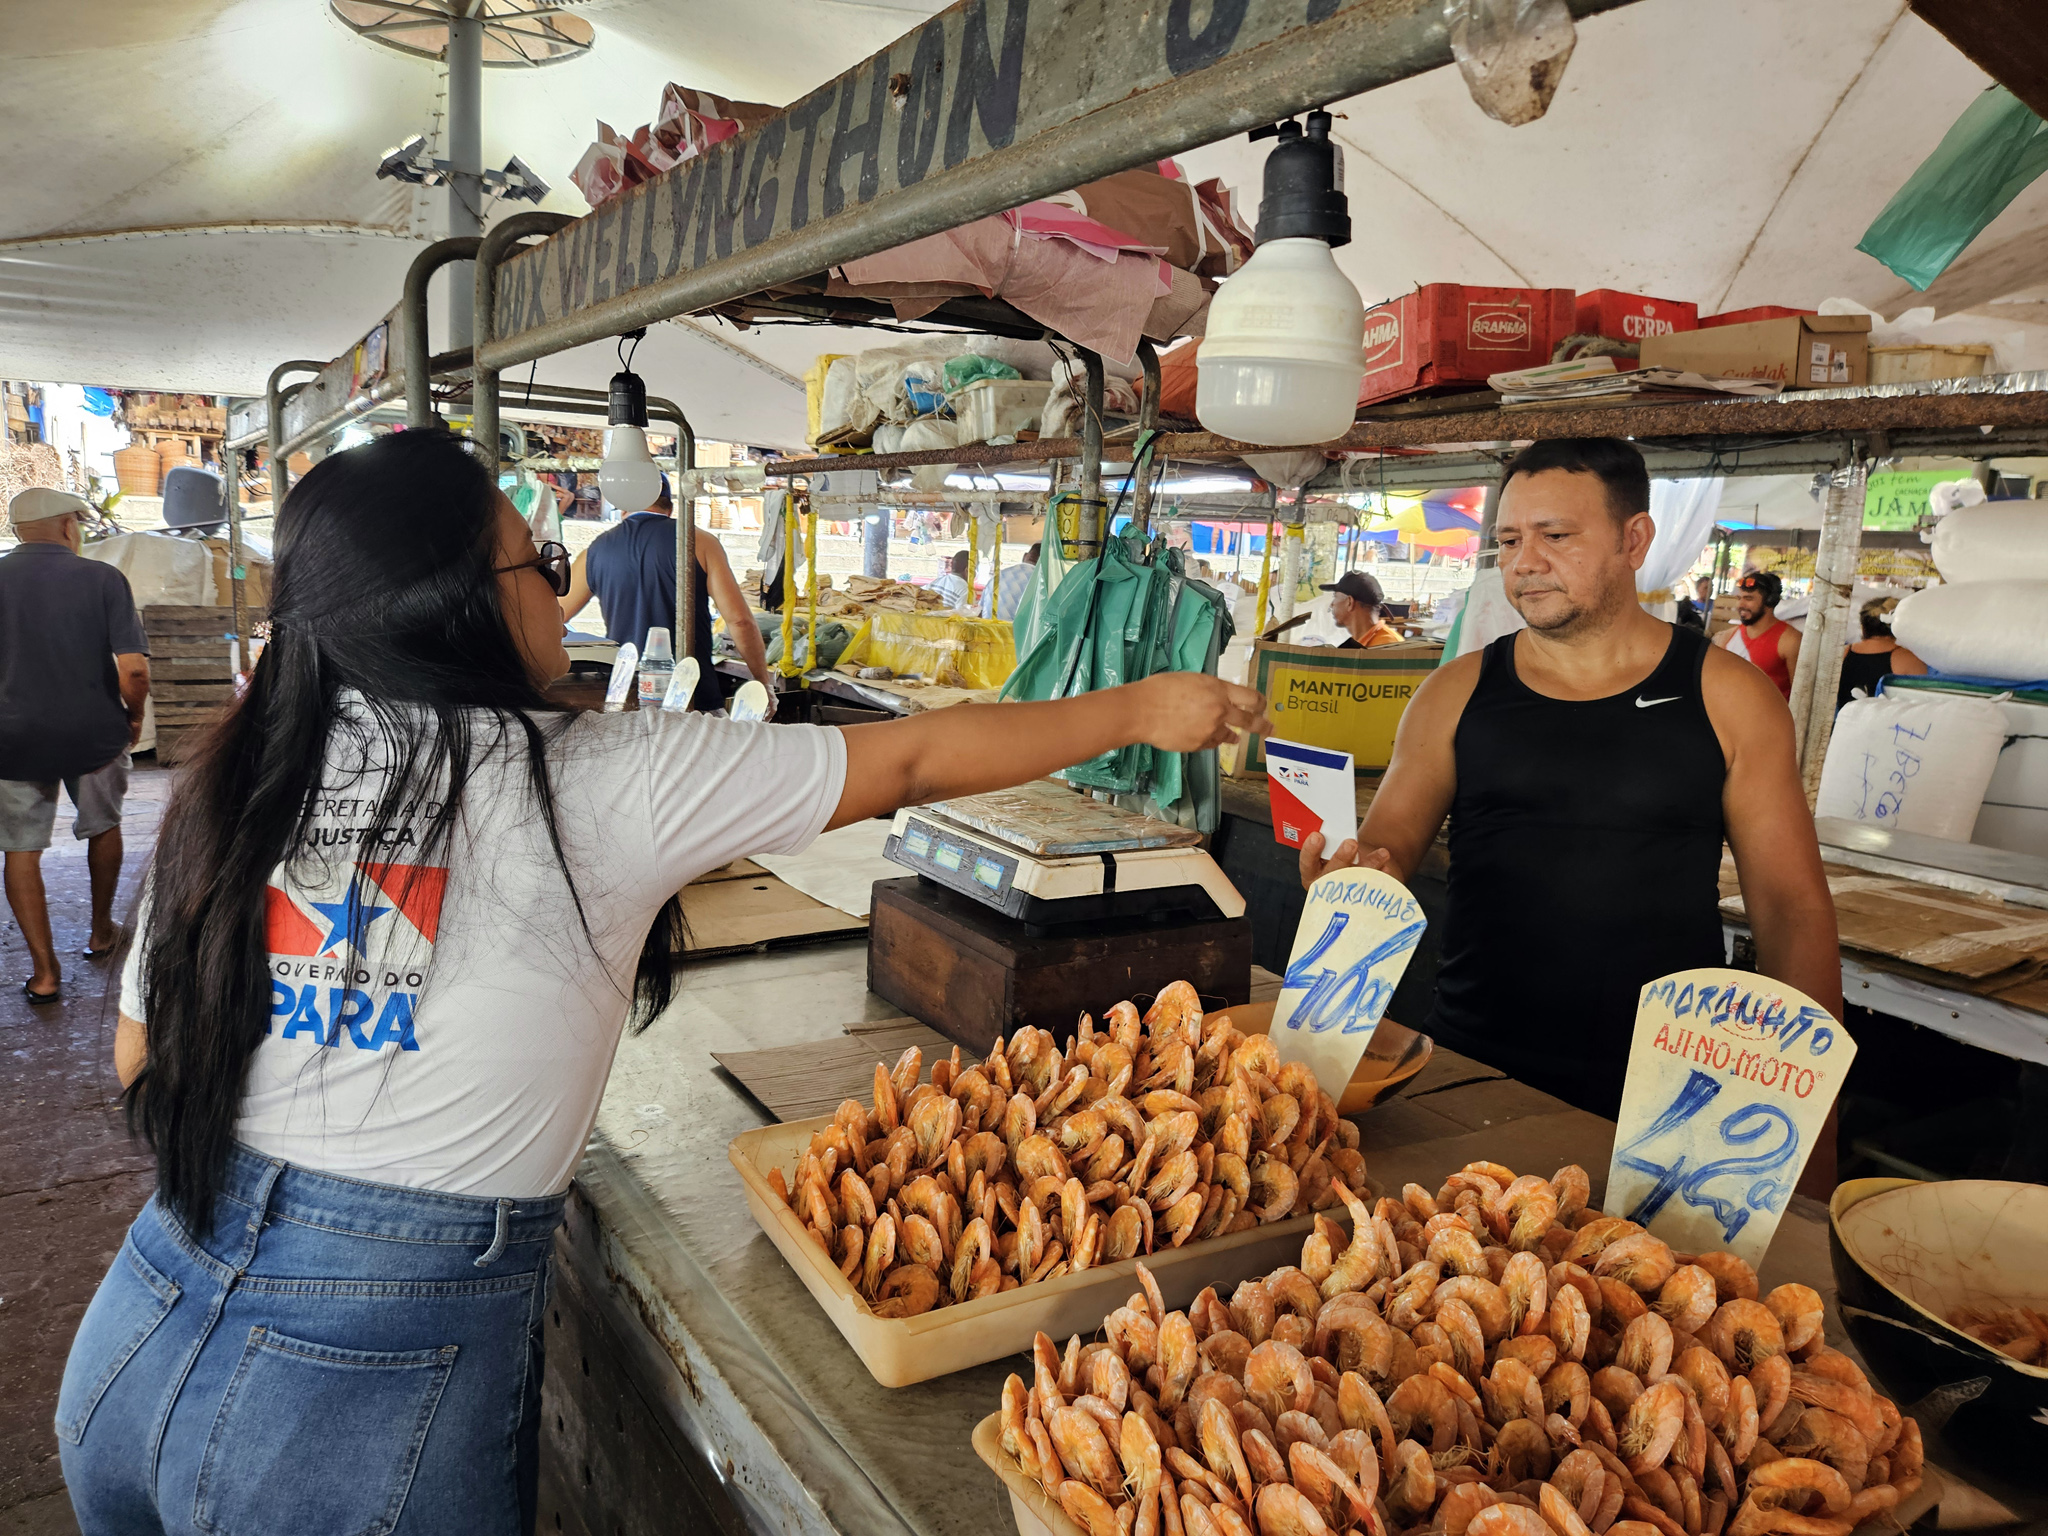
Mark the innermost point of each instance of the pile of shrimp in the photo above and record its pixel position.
(1153, 1131)
(2020, 1332)
(1496, 1359)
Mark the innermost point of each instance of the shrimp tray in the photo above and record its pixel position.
(899, 1352)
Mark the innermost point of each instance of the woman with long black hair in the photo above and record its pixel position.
(401, 909)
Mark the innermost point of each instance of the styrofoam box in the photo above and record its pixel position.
(999, 408)
(901, 1351)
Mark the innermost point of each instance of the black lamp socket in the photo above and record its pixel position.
(1302, 196)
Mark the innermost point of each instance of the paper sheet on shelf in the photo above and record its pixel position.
(840, 868)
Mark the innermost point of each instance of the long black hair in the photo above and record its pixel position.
(384, 587)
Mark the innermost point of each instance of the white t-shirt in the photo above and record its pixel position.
(480, 1073)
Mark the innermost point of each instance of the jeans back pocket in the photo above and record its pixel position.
(124, 1312)
(314, 1438)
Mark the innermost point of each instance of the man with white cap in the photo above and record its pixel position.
(74, 677)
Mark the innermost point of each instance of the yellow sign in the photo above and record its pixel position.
(1348, 701)
(1730, 1078)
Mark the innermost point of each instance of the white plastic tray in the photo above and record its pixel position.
(901, 1351)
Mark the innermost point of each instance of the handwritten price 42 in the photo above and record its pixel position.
(1751, 1123)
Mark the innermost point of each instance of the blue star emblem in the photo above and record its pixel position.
(347, 921)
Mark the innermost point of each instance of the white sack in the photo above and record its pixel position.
(1979, 629)
(160, 567)
(1488, 613)
(1912, 762)
(844, 415)
(1997, 541)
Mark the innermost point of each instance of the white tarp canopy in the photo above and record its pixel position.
(190, 196)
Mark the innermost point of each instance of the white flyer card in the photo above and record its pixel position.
(1357, 931)
(1312, 790)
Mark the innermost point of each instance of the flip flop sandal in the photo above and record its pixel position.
(39, 999)
(90, 953)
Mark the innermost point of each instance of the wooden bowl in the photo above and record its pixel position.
(1393, 1055)
(1906, 1254)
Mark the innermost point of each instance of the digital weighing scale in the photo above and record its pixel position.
(1057, 861)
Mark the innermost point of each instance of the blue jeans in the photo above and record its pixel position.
(330, 1358)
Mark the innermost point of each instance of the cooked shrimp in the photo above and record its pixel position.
(1702, 1370)
(1833, 1364)
(1088, 1509)
(1638, 1260)
(1456, 1251)
(1467, 1339)
(1511, 1392)
(1532, 1349)
(1359, 1264)
(1734, 1280)
(1859, 1407)
(1798, 1311)
(1275, 1186)
(1176, 1010)
(1487, 1301)
(1562, 1515)
(1567, 1389)
(1508, 1520)
(1359, 1407)
(1084, 1450)
(1526, 1285)
(1107, 1377)
(1654, 1422)
(1825, 1436)
(1743, 1333)
(1522, 1451)
(1420, 1399)
(1524, 1212)
(1772, 1378)
(1800, 1473)
(1179, 1358)
(1125, 1235)
(907, 1290)
(1268, 1464)
(1277, 1378)
(1688, 1298)
(1645, 1347)
(1570, 1324)
(1221, 1448)
(1739, 1423)
(1596, 1235)
(1411, 1484)
(1134, 1335)
(880, 1254)
(1573, 1189)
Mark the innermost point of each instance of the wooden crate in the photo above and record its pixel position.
(973, 974)
(191, 670)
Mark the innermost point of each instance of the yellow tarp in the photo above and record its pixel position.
(944, 648)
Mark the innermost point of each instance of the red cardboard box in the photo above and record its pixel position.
(1447, 333)
(1754, 312)
(1632, 316)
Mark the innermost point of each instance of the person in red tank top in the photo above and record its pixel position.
(1762, 637)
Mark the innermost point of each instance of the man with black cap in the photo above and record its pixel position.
(74, 679)
(1356, 608)
(1762, 637)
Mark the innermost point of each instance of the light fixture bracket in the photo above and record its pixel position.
(1304, 184)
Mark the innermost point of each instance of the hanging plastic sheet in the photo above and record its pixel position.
(1996, 148)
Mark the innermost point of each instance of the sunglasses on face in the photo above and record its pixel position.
(552, 561)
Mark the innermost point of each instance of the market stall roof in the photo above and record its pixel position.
(218, 212)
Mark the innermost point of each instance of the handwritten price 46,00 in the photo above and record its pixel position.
(1350, 1001)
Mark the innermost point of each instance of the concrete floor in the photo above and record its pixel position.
(70, 1177)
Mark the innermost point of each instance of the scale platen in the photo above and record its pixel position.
(1057, 861)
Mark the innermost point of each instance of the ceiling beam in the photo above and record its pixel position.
(2007, 39)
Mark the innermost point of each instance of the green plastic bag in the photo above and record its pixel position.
(1994, 150)
(972, 368)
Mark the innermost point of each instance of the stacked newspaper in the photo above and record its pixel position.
(1602, 381)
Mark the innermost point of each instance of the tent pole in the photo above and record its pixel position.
(465, 60)
(1818, 673)
(1148, 421)
(414, 358)
(1093, 507)
(273, 401)
(483, 381)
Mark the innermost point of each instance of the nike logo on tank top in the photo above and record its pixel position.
(1585, 844)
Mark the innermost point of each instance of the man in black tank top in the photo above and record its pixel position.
(1591, 766)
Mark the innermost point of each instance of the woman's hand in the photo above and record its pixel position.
(1189, 711)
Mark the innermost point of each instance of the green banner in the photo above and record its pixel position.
(1896, 499)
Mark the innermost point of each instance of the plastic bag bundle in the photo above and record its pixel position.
(1994, 541)
(1996, 629)
(1512, 53)
(1912, 762)
(1994, 150)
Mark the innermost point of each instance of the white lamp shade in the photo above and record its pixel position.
(628, 477)
(1284, 350)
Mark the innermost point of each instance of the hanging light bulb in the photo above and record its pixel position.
(1284, 350)
(628, 477)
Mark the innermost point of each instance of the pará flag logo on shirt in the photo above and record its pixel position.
(347, 958)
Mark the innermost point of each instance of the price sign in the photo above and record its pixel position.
(1357, 932)
(1730, 1077)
